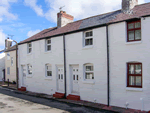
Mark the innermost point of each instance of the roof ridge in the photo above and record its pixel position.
(142, 4)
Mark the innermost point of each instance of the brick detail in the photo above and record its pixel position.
(73, 97)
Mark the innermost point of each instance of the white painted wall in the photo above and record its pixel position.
(2, 64)
(77, 54)
(38, 82)
(121, 53)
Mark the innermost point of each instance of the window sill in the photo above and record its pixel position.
(134, 89)
(46, 52)
(28, 54)
(134, 42)
(88, 47)
(29, 76)
(48, 78)
(88, 82)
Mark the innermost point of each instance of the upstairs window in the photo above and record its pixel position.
(89, 71)
(134, 31)
(29, 47)
(29, 69)
(8, 56)
(48, 70)
(48, 45)
(134, 75)
(88, 38)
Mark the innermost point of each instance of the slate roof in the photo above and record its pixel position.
(11, 49)
(107, 18)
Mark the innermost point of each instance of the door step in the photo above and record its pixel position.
(22, 89)
(73, 97)
(59, 95)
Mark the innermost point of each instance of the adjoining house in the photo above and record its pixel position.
(2, 65)
(10, 64)
(102, 59)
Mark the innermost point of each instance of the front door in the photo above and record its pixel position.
(23, 76)
(75, 79)
(60, 79)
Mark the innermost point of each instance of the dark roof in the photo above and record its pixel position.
(107, 18)
(11, 49)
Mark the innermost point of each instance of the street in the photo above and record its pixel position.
(11, 102)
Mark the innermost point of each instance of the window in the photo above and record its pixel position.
(48, 70)
(89, 71)
(88, 38)
(29, 47)
(29, 69)
(11, 61)
(134, 31)
(8, 56)
(134, 75)
(48, 45)
(8, 70)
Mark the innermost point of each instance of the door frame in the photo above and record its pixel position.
(71, 78)
(22, 74)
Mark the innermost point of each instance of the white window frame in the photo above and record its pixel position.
(8, 68)
(29, 48)
(8, 56)
(12, 61)
(85, 71)
(48, 70)
(29, 69)
(46, 45)
(90, 37)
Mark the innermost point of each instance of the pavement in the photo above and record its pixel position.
(12, 101)
(90, 105)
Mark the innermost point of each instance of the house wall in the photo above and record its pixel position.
(122, 52)
(2, 65)
(12, 76)
(76, 53)
(38, 82)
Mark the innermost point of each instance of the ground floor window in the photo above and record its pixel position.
(8, 70)
(48, 70)
(29, 69)
(89, 71)
(134, 75)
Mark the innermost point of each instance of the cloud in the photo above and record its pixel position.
(5, 10)
(34, 6)
(2, 38)
(31, 33)
(82, 8)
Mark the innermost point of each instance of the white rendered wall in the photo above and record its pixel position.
(38, 82)
(77, 54)
(121, 53)
(2, 64)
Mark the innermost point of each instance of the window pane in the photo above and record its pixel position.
(89, 68)
(48, 41)
(87, 34)
(138, 25)
(137, 34)
(30, 45)
(131, 35)
(87, 42)
(91, 41)
(91, 33)
(131, 26)
(30, 49)
(89, 75)
(138, 81)
(131, 80)
(29, 71)
(61, 76)
(131, 69)
(48, 47)
(49, 73)
(138, 69)
(77, 77)
(73, 77)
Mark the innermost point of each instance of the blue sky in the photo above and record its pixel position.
(24, 18)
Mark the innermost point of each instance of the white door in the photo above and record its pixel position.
(23, 75)
(60, 79)
(75, 79)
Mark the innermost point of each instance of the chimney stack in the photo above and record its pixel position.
(128, 5)
(63, 19)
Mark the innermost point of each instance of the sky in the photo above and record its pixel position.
(24, 18)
